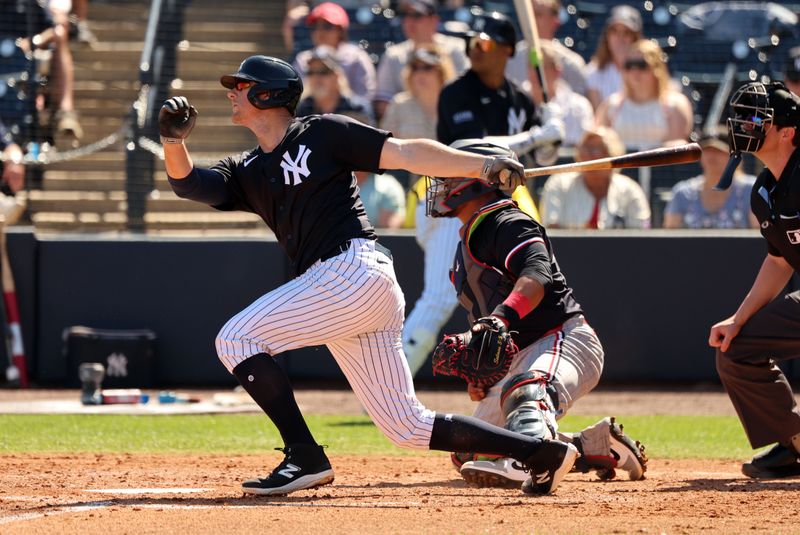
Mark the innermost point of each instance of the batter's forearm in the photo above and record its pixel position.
(428, 157)
(177, 160)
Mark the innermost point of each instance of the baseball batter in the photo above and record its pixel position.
(345, 295)
(481, 103)
(505, 270)
(765, 121)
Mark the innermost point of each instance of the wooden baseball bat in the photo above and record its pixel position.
(527, 23)
(690, 152)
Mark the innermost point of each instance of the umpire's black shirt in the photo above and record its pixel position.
(776, 205)
(304, 189)
(470, 109)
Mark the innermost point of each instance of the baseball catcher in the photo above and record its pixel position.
(530, 352)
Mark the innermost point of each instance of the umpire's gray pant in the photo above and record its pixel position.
(758, 389)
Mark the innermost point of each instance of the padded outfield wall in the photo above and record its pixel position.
(651, 296)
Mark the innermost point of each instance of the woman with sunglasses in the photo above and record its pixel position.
(648, 112)
(327, 90)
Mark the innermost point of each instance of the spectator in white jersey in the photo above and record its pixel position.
(420, 22)
(604, 71)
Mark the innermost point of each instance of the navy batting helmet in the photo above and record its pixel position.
(444, 195)
(278, 85)
(495, 26)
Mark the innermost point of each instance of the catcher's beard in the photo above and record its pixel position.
(268, 385)
(454, 432)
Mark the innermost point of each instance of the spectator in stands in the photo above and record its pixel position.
(329, 23)
(604, 72)
(792, 71)
(595, 199)
(648, 112)
(44, 32)
(420, 21)
(384, 199)
(65, 117)
(548, 20)
(696, 204)
(573, 109)
(12, 171)
(83, 34)
(327, 89)
(412, 113)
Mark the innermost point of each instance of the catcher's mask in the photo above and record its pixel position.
(444, 195)
(755, 108)
(277, 84)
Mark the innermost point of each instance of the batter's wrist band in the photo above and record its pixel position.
(171, 140)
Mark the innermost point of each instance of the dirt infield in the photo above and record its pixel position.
(62, 494)
(123, 493)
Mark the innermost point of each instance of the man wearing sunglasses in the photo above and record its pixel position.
(483, 103)
(420, 21)
(299, 179)
(764, 121)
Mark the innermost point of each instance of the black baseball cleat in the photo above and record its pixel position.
(305, 466)
(548, 466)
(776, 462)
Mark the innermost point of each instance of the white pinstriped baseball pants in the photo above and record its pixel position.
(571, 355)
(352, 304)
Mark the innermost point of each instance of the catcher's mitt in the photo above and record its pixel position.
(481, 356)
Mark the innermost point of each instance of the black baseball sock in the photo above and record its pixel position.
(268, 385)
(454, 432)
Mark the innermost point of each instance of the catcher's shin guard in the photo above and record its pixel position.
(528, 405)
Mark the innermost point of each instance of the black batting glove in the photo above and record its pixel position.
(176, 120)
(504, 172)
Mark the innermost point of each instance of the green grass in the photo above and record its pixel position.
(666, 437)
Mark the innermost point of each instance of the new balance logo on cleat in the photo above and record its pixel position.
(549, 464)
(305, 466)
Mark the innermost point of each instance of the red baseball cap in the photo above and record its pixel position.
(329, 12)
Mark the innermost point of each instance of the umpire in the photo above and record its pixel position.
(764, 121)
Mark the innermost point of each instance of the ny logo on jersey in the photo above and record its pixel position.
(298, 167)
(117, 365)
(516, 121)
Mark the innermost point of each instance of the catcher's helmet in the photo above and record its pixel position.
(495, 26)
(444, 195)
(755, 108)
(278, 85)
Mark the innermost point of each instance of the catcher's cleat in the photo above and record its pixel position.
(305, 466)
(776, 462)
(548, 466)
(604, 447)
(501, 473)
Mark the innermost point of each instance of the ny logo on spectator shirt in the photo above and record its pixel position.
(516, 121)
(298, 167)
(117, 365)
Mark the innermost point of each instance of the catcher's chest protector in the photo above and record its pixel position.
(480, 288)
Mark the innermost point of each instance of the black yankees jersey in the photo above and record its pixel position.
(500, 244)
(469, 109)
(304, 189)
(776, 205)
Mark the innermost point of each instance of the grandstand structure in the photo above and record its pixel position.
(91, 192)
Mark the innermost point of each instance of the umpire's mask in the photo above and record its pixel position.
(755, 108)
